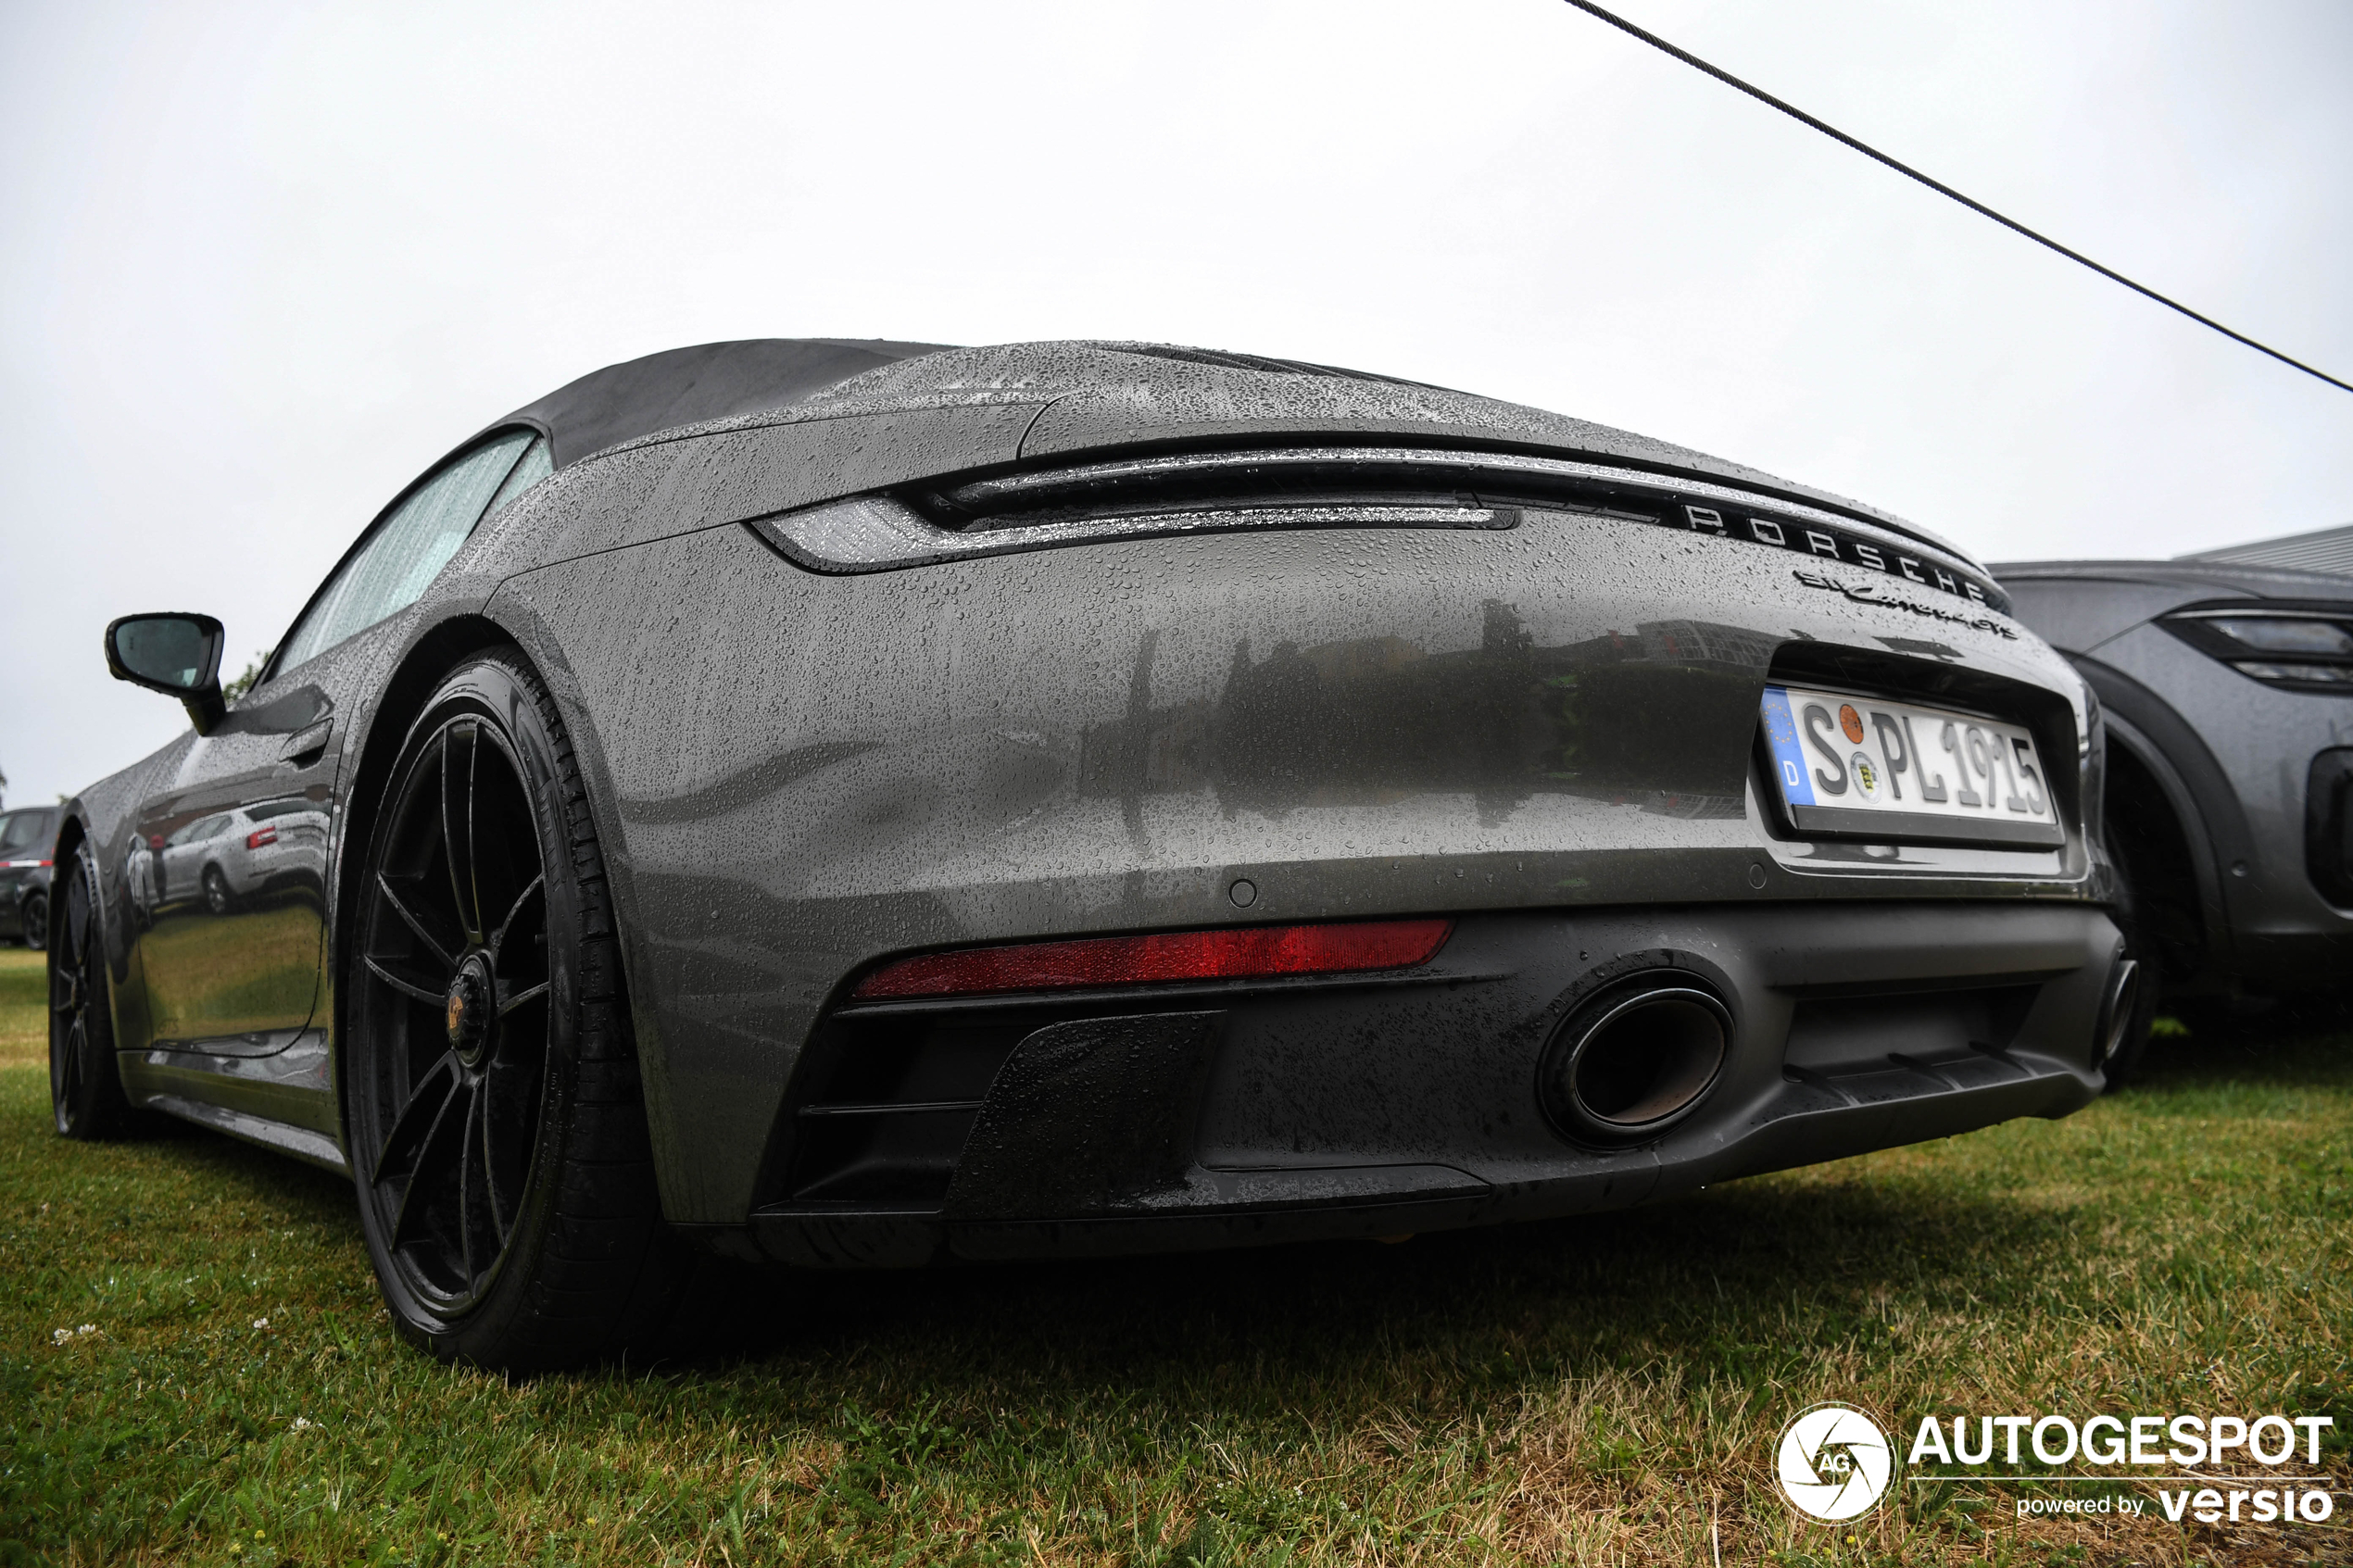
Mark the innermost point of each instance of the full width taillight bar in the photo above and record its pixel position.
(1295, 489)
(1257, 952)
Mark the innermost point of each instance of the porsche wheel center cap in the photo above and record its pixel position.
(467, 1011)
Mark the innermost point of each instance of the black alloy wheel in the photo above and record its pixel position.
(85, 1090)
(505, 1176)
(216, 891)
(34, 914)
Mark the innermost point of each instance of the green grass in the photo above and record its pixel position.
(1589, 1391)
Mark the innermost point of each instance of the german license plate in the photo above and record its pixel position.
(1861, 767)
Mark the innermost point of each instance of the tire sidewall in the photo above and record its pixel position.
(492, 688)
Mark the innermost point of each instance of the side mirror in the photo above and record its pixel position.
(178, 655)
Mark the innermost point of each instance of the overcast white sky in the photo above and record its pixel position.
(260, 263)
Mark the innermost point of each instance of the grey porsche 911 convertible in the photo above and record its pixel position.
(859, 804)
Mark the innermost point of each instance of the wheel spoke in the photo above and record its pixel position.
(494, 1211)
(478, 1227)
(436, 1158)
(413, 1128)
(77, 1047)
(528, 993)
(409, 919)
(414, 990)
(77, 916)
(514, 912)
(458, 822)
(487, 1154)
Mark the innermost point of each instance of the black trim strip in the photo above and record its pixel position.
(1334, 473)
(1922, 827)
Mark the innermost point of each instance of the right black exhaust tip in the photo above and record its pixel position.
(2116, 1008)
(1635, 1061)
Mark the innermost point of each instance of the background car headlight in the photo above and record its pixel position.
(2302, 650)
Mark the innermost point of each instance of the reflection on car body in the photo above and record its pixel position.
(875, 803)
(237, 853)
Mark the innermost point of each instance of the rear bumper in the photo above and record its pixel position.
(1207, 1117)
(1094, 741)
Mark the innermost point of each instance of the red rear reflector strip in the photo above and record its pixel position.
(1245, 953)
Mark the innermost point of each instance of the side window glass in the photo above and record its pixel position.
(535, 464)
(409, 547)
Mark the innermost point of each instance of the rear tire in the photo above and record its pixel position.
(217, 898)
(2124, 1063)
(34, 913)
(496, 1126)
(85, 1089)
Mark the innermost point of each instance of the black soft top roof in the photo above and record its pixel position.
(1082, 398)
(686, 386)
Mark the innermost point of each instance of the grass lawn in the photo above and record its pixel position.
(1598, 1390)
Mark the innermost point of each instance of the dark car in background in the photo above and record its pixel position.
(871, 805)
(26, 836)
(2228, 692)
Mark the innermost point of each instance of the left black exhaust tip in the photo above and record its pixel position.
(1637, 1059)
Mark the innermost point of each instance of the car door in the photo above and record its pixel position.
(235, 970)
(224, 972)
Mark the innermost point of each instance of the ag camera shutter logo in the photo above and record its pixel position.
(1833, 1462)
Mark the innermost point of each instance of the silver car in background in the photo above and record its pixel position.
(225, 857)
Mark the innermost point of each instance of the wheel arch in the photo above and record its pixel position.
(2148, 797)
(592, 742)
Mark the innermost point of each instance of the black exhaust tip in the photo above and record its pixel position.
(1635, 1061)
